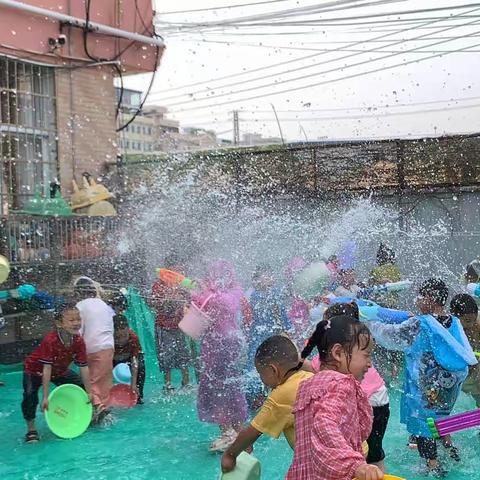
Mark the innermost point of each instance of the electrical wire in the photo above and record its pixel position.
(356, 117)
(221, 8)
(287, 62)
(272, 15)
(302, 77)
(145, 26)
(326, 82)
(329, 50)
(368, 108)
(139, 109)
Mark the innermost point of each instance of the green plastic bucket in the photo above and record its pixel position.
(69, 411)
(247, 468)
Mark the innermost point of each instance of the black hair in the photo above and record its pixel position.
(350, 309)
(473, 269)
(261, 269)
(385, 255)
(436, 289)
(120, 322)
(85, 288)
(118, 301)
(343, 329)
(63, 307)
(463, 304)
(172, 260)
(277, 349)
(344, 271)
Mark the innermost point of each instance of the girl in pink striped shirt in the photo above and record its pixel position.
(332, 414)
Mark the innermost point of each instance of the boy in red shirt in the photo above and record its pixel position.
(128, 350)
(50, 362)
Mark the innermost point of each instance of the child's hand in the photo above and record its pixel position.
(368, 472)
(228, 462)
(44, 404)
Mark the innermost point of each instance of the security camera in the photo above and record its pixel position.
(56, 42)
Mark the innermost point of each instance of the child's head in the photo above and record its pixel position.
(120, 326)
(174, 262)
(347, 277)
(344, 344)
(465, 308)
(275, 357)
(84, 288)
(432, 296)
(67, 317)
(337, 309)
(472, 272)
(118, 302)
(263, 277)
(385, 255)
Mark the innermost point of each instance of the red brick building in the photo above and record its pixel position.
(58, 61)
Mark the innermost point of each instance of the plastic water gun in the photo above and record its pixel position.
(381, 314)
(170, 277)
(386, 288)
(474, 289)
(455, 423)
(23, 292)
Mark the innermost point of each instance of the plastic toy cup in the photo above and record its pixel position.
(69, 411)
(122, 396)
(247, 468)
(122, 373)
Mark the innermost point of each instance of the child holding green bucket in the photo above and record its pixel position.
(50, 362)
(276, 361)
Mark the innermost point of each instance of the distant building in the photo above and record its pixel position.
(249, 139)
(151, 130)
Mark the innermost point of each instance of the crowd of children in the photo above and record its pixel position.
(333, 408)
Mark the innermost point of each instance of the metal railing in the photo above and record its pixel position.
(29, 239)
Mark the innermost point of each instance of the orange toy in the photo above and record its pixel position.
(170, 277)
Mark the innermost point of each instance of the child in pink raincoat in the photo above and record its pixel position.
(220, 397)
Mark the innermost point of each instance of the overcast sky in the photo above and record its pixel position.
(430, 96)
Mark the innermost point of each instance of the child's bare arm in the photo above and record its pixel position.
(247, 437)
(46, 376)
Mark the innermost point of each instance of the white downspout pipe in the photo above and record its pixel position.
(79, 22)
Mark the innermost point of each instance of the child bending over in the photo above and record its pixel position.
(465, 308)
(276, 361)
(332, 414)
(129, 351)
(50, 362)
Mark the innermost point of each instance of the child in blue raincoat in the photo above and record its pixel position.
(268, 316)
(437, 358)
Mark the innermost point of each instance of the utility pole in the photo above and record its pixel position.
(236, 128)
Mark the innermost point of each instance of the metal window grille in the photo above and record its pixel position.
(28, 131)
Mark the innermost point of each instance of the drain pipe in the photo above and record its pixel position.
(81, 23)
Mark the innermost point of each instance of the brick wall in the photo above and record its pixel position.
(86, 122)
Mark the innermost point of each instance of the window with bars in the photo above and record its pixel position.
(28, 131)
